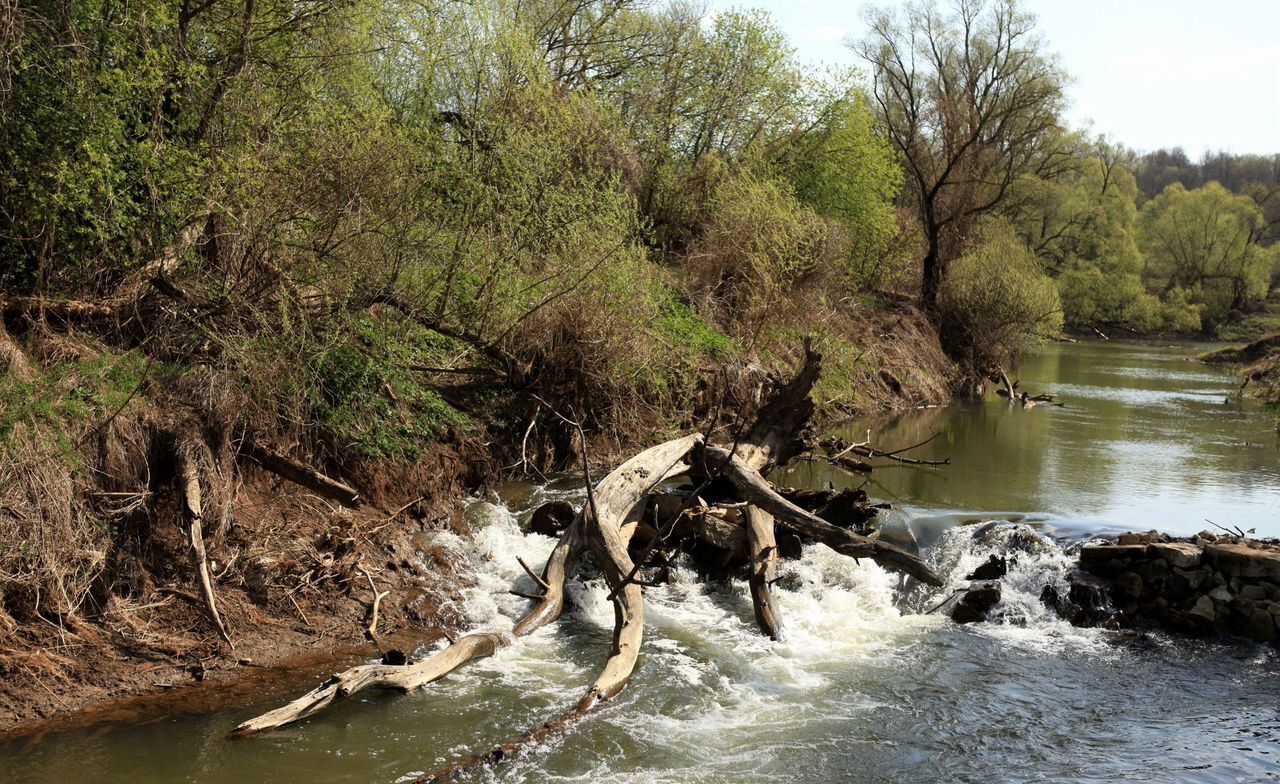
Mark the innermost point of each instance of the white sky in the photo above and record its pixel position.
(1201, 74)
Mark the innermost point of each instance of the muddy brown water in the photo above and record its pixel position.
(867, 687)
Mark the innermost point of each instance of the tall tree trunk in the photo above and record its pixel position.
(931, 281)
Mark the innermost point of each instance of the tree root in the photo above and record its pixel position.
(188, 453)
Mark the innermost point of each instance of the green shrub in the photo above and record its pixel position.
(679, 325)
(996, 300)
(759, 245)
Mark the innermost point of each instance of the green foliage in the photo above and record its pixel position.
(87, 178)
(383, 412)
(997, 300)
(845, 171)
(680, 326)
(1185, 265)
(1202, 242)
(357, 385)
(972, 102)
(759, 245)
(70, 396)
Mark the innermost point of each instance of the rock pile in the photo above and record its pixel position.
(1206, 584)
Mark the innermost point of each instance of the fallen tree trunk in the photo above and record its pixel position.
(764, 571)
(300, 474)
(741, 518)
(62, 309)
(758, 492)
(617, 497)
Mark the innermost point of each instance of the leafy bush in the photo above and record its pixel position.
(682, 327)
(759, 245)
(846, 171)
(996, 300)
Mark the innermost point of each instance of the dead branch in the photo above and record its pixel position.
(532, 574)
(404, 678)
(188, 451)
(865, 449)
(1011, 392)
(371, 631)
(287, 468)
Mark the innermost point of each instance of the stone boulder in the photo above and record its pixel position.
(1180, 554)
(977, 602)
(1240, 560)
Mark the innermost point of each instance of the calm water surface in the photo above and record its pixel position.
(1147, 438)
(867, 687)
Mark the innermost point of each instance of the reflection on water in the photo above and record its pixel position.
(866, 688)
(1147, 439)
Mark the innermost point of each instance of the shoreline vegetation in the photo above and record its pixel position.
(281, 282)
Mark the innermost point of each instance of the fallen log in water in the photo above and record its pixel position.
(1011, 392)
(626, 505)
(616, 498)
(757, 491)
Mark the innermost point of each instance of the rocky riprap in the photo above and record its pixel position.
(1208, 584)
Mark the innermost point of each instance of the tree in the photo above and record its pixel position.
(971, 102)
(1203, 241)
(997, 300)
(845, 171)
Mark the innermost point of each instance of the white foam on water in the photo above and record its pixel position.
(709, 685)
(1034, 562)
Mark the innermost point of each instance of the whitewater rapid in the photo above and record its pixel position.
(713, 693)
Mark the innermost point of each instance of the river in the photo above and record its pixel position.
(867, 686)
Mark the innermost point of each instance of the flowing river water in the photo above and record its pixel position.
(867, 686)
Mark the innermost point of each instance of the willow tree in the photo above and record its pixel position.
(1202, 241)
(971, 102)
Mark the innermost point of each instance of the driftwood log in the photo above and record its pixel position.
(625, 523)
(1012, 392)
(616, 498)
(763, 547)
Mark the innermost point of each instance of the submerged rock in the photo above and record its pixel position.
(1203, 609)
(551, 518)
(976, 602)
(995, 568)
(1087, 603)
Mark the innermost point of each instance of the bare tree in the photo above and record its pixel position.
(971, 102)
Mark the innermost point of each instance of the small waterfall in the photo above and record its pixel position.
(1034, 561)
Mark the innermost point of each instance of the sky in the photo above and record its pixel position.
(1199, 74)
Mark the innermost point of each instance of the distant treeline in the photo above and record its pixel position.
(1251, 174)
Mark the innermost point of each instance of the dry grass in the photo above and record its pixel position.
(54, 545)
